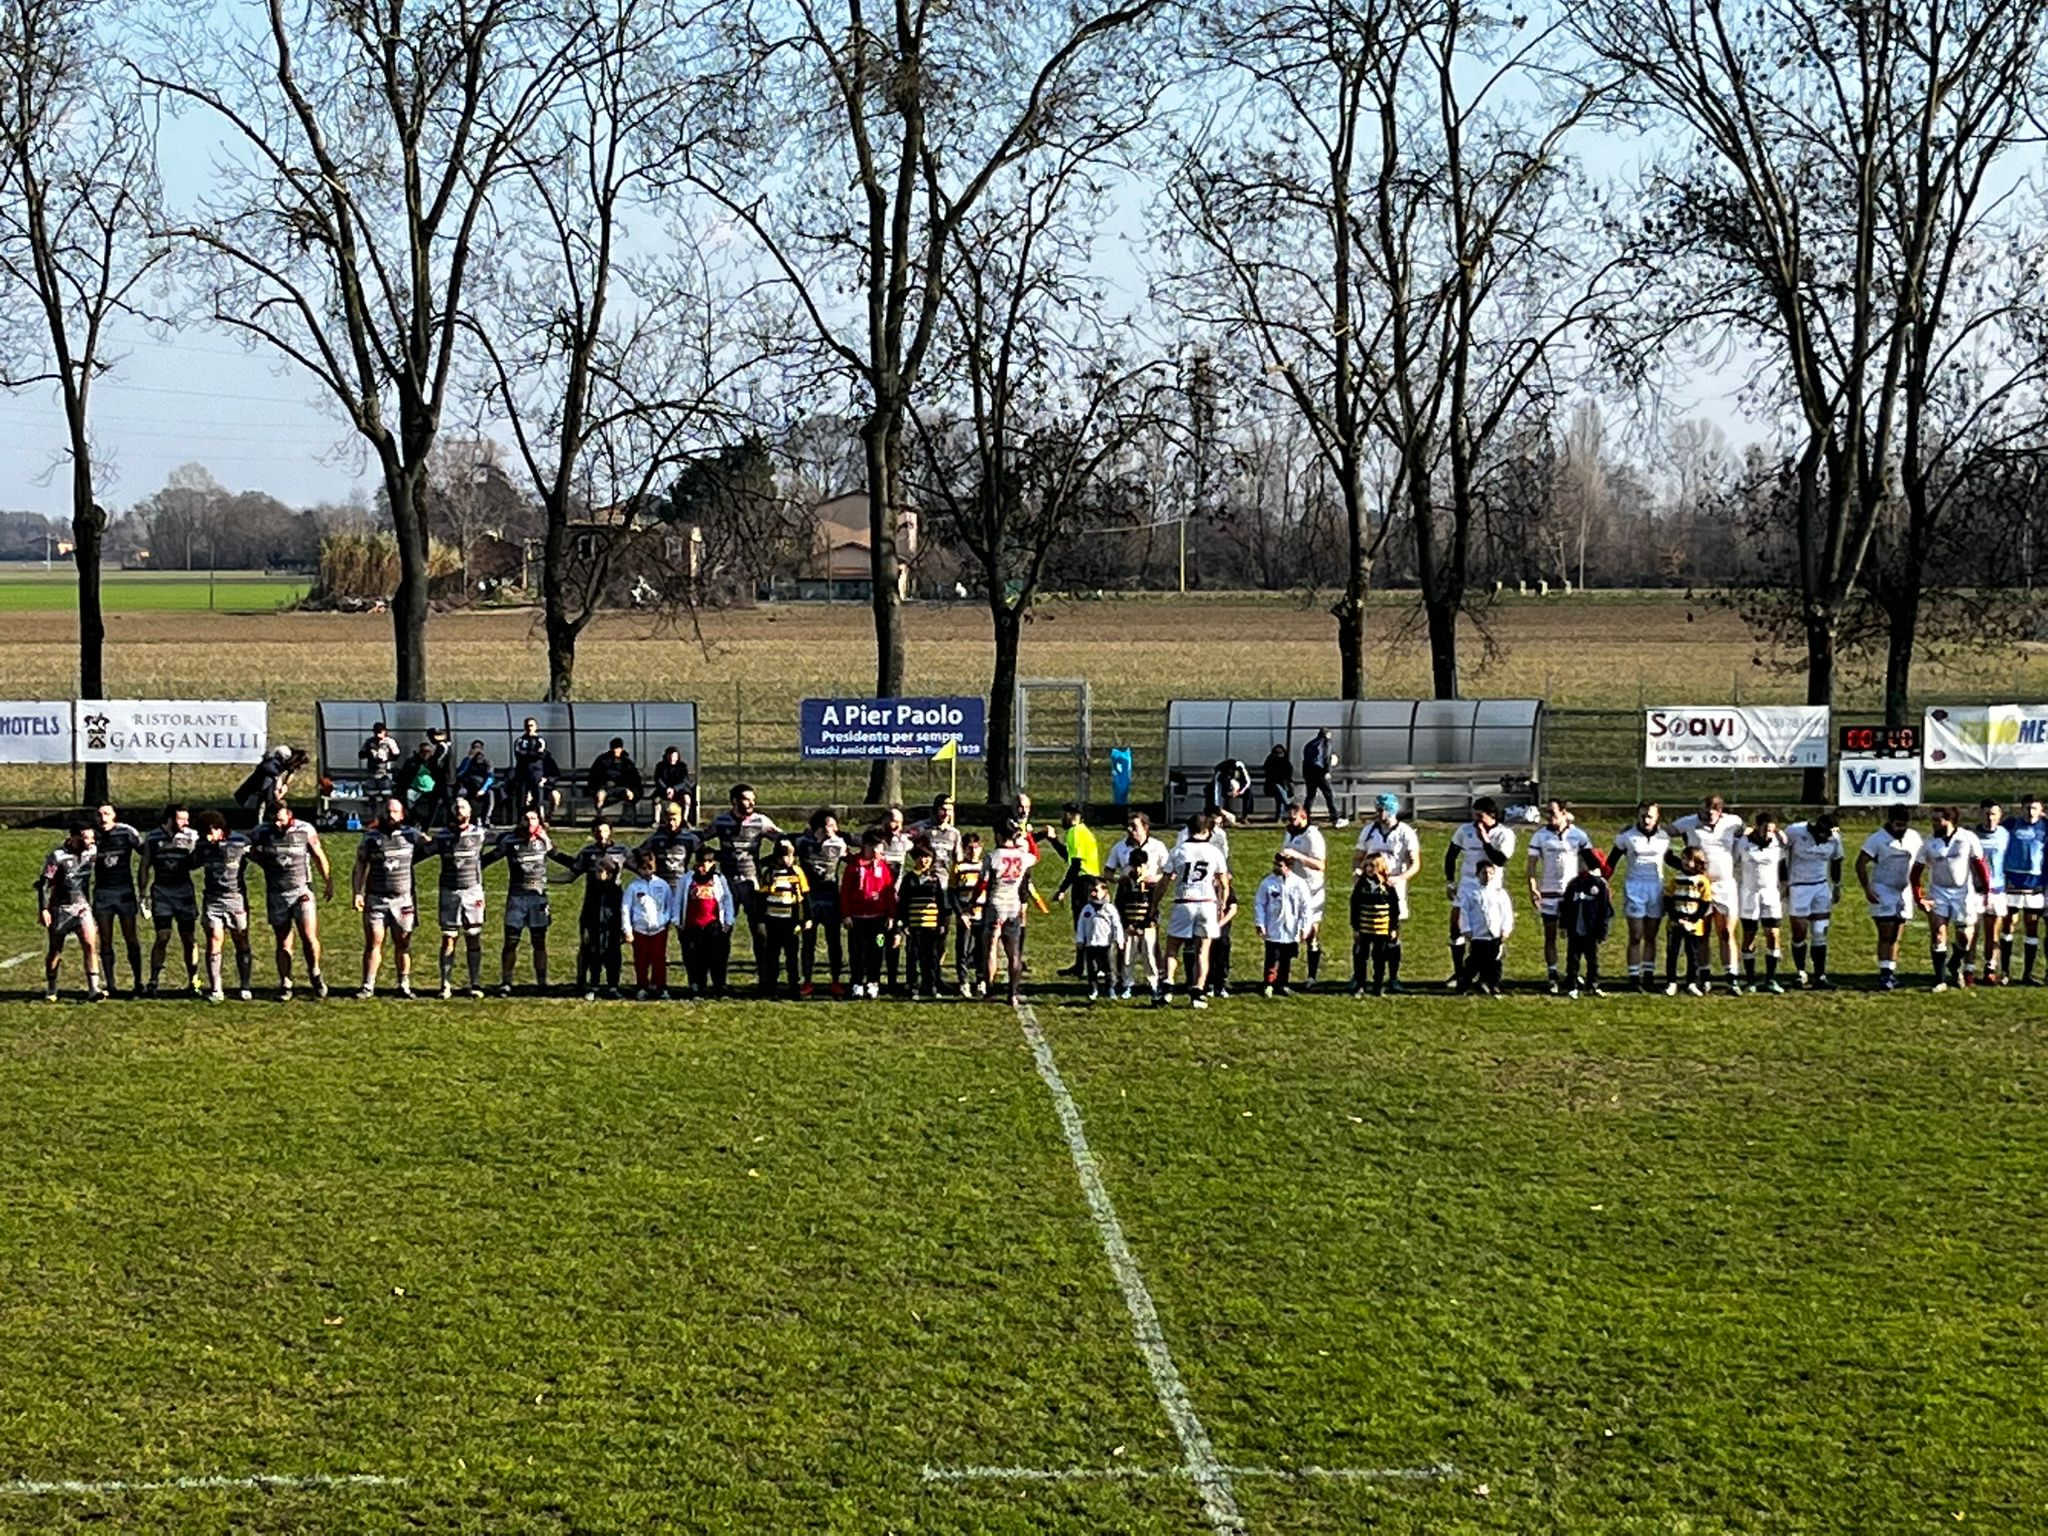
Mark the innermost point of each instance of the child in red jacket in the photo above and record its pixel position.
(867, 904)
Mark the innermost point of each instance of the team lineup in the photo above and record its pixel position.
(856, 916)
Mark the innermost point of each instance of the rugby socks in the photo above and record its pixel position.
(244, 962)
(1938, 953)
(1799, 955)
(1315, 962)
(212, 971)
(476, 967)
(134, 963)
(2033, 954)
(1771, 958)
(1458, 958)
(2005, 956)
(1392, 950)
(447, 967)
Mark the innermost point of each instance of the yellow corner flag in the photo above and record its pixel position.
(948, 752)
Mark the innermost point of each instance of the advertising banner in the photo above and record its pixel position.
(1877, 781)
(35, 731)
(1736, 736)
(863, 728)
(1980, 736)
(164, 731)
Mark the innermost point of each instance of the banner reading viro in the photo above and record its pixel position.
(1736, 736)
(35, 731)
(857, 728)
(1981, 736)
(172, 730)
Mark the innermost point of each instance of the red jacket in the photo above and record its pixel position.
(867, 890)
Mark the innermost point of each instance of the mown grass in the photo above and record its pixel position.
(1749, 1265)
(141, 592)
(1595, 659)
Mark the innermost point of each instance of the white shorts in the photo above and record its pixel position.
(1546, 903)
(462, 912)
(1726, 899)
(1815, 900)
(1318, 900)
(1954, 905)
(1195, 920)
(1891, 906)
(1766, 904)
(2026, 901)
(1994, 904)
(1642, 902)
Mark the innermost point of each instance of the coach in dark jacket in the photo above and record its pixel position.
(613, 777)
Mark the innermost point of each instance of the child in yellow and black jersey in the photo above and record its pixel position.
(1688, 903)
(967, 894)
(1375, 930)
(1137, 909)
(783, 899)
(921, 913)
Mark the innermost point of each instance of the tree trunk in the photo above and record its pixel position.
(882, 440)
(1350, 609)
(554, 581)
(88, 523)
(409, 602)
(1903, 629)
(1442, 594)
(1820, 689)
(1001, 750)
(1442, 613)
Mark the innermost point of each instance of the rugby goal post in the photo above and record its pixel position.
(1055, 728)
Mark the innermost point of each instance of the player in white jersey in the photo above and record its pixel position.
(1957, 881)
(1201, 884)
(1884, 868)
(1553, 864)
(1760, 897)
(1395, 841)
(1642, 847)
(1482, 840)
(1715, 830)
(1308, 856)
(1994, 929)
(1813, 874)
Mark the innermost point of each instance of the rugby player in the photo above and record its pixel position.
(1715, 831)
(288, 850)
(821, 851)
(1996, 926)
(1201, 883)
(738, 830)
(1309, 857)
(674, 846)
(1553, 864)
(1813, 872)
(525, 849)
(601, 925)
(115, 844)
(1643, 847)
(1884, 868)
(1394, 840)
(2026, 885)
(224, 900)
(1952, 863)
(382, 888)
(460, 889)
(170, 853)
(1007, 878)
(64, 908)
(1760, 898)
(1482, 840)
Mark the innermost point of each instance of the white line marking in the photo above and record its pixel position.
(1211, 1478)
(23, 1488)
(13, 960)
(1437, 1473)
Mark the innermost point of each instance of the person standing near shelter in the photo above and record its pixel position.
(526, 850)
(460, 910)
(1992, 927)
(1884, 868)
(64, 908)
(1277, 776)
(1715, 830)
(1394, 840)
(381, 885)
(533, 770)
(1642, 847)
(379, 756)
(1318, 759)
(115, 845)
(1480, 841)
(1553, 864)
(2026, 884)
(170, 853)
(1309, 857)
(1957, 879)
(1813, 874)
(288, 850)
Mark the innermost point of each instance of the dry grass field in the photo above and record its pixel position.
(749, 668)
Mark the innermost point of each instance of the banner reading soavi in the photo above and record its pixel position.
(35, 731)
(1736, 736)
(1981, 736)
(172, 730)
(858, 728)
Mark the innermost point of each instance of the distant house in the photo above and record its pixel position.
(839, 564)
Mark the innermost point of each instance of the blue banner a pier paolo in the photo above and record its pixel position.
(870, 728)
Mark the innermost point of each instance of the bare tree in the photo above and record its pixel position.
(78, 190)
(859, 144)
(368, 140)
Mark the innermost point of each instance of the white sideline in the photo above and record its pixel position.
(13, 960)
(25, 1488)
(1142, 1474)
(1199, 1461)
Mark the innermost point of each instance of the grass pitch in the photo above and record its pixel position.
(1734, 1265)
(138, 592)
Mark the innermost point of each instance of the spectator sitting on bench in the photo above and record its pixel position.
(477, 782)
(613, 778)
(673, 782)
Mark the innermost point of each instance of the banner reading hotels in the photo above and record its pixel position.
(858, 728)
(35, 731)
(1983, 736)
(171, 730)
(1736, 736)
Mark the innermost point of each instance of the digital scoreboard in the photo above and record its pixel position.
(1878, 740)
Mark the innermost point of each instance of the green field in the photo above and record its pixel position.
(121, 592)
(1435, 1265)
